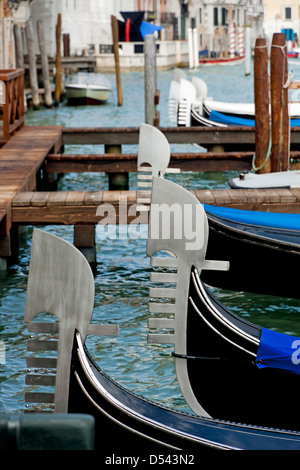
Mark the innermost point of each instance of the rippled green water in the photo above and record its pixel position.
(122, 273)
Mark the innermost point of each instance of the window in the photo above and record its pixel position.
(200, 15)
(216, 22)
(288, 13)
(224, 15)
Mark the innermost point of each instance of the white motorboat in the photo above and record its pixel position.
(88, 89)
(280, 179)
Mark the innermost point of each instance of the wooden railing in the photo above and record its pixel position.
(13, 108)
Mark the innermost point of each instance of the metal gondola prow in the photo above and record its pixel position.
(177, 225)
(60, 283)
(153, 160)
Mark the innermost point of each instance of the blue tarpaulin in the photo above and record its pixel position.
(278, 350)
(232, 120)
(258, 218)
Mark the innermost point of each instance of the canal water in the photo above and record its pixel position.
(122, 272)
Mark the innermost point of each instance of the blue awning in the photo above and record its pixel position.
(148, 28)
(279, 351)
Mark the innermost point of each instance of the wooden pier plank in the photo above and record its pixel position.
(20, 159)
(72, 208)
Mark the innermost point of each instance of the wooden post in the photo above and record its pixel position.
(66, 45)
(279, 104)
(58, 74)
(115, 35)
(262, 103)
(117, 181)
(44, 61)
(32, 65)
(18, 47)
(84, 240)
(150, 79)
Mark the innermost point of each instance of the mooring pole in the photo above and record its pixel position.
(262, 103)
(32, 65)
(18, 47)
(115, 35)
(279, 104)
(150, 79)
(117, 181)
(44, 62)
(58, 65)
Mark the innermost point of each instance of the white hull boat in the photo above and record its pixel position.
(88, 89)
(280, 179)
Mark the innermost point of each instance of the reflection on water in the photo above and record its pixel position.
(122, 272)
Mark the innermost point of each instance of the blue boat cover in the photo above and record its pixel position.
(257, 218)
(238, 121)
(279, 351)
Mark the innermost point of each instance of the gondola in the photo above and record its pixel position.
(204, 116)
(253, 242)
(210, 61)
(194, 108)
(226, 366)
(126, 424)
(262, 248)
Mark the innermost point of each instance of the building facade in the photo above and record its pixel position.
(281, 15)
(87, 23)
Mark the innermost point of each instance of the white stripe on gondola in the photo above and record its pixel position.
(215, 312)
(93, 380)
(217, 332)
(119, 423)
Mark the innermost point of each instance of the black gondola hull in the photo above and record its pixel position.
(223, 370)
(261, 261)
(128, 423)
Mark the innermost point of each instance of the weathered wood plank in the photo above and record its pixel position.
(20, 159)
(93, 198)
(79, 212)
(23, 199)
(57, 198)
(40, 198)
(75, 198)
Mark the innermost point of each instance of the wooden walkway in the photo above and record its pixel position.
(80, 207)
(20, 159)
(37, 147)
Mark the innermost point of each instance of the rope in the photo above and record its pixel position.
(289, 79)
(208, 358)
(254, 168)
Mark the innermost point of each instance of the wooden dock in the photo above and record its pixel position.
(37, 149)
(20, 160)
(80, 207)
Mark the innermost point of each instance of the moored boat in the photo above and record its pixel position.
(210, 61)
(276, 179)
(88, 89)
(226, 366)
(189, 105)
(125, 422)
